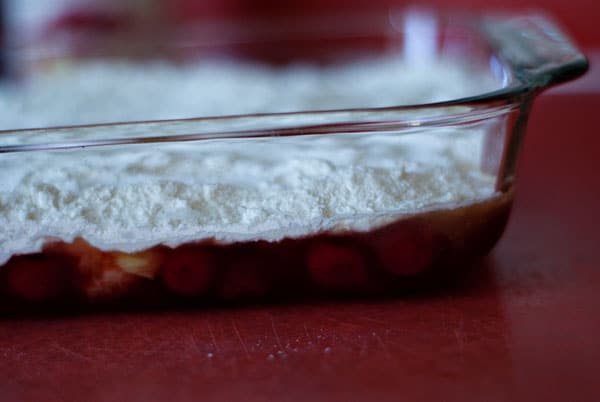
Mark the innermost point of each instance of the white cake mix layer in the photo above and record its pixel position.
(139, 196)
(69, 94)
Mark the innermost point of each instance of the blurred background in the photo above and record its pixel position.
(30, 19)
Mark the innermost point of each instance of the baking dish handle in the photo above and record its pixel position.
(538, 52)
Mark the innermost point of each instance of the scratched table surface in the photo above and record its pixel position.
(525, 325)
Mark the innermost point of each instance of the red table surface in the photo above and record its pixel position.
(526, 327)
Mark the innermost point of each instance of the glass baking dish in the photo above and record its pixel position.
(243, 160)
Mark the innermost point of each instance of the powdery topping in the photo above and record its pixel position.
(139, 196)
(95, 92)
(233, 191)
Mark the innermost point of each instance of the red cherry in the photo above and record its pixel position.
(37, 277)
(404, 250)
(189, 271)
(338, 266)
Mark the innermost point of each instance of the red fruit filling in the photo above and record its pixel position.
(96, 274)
(189, 271)
(37, 277)
(403, 250)
(334, 265)
(245, 279)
